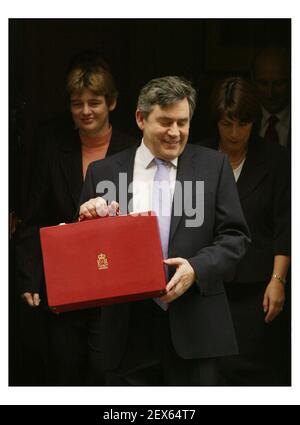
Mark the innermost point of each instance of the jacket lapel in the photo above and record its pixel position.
(123, 177)
(71, 165)
(185, 172)
(254, 169)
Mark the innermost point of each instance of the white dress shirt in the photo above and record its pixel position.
(282, 126)
(237, 171)
(143, 176)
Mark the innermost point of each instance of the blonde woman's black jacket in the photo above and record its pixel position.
(53, 196)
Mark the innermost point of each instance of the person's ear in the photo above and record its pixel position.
(139, 119)
(112, 105)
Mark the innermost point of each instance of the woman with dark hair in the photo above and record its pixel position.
(257, 294)
(64, 151)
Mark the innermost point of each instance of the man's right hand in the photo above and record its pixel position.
(97, 207)
(33, 300)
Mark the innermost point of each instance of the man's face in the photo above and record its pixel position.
(166, 130)
(90, 112)
(272, 81)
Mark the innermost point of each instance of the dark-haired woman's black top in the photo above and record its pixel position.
(265, 192)
(265, 195)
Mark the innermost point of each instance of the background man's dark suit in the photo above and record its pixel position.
(200, 321)
(53, 198)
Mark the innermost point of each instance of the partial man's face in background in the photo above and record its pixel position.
(272, 80)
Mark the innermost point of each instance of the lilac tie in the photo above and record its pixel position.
(162, 205)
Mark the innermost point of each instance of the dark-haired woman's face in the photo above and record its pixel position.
(234, 134)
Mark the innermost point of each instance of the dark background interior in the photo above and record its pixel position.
(137, 50)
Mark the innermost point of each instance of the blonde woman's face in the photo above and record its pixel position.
(90, 113)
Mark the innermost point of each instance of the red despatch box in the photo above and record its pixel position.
(103, 261)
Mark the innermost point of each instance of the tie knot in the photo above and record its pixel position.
(161, 162)
(273, 120)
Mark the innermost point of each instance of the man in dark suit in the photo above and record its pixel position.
(271, 75)
(173, 340)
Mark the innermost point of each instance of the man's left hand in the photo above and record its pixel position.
(181, 281)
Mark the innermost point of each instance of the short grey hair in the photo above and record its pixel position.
(166, 91)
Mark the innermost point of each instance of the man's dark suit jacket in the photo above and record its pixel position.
(53, 196)
(200, 320)
(265, 196)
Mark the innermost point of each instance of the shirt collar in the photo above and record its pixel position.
(283, 116)
(147, 157)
